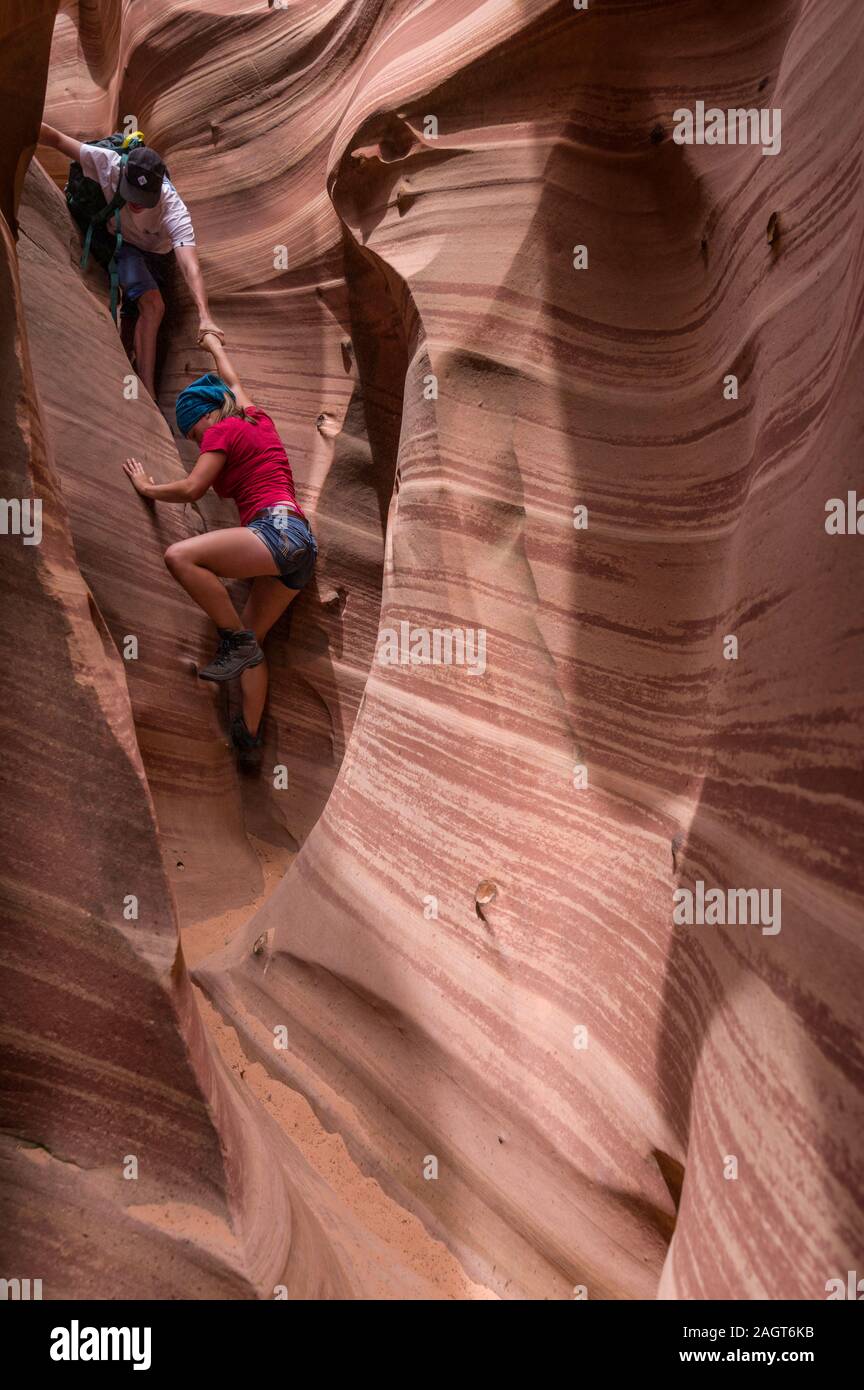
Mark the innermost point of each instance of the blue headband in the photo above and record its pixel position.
(199, 398)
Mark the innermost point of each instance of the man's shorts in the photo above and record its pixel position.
(290, 542)
(140, 271)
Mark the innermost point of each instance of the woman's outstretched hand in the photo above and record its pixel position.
(138, 478)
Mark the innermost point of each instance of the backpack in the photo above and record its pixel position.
(88, 206)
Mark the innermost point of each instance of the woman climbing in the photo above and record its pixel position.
(242, 457)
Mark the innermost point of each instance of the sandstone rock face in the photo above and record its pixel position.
(473, 954)
(133, 1166)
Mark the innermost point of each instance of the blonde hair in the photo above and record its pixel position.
(228, 408)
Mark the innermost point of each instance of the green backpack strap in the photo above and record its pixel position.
(116, 203)
(114, 273)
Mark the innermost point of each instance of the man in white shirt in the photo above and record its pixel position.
(154, 221)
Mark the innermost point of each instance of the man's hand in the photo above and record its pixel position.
(187, 259)
(138, 478)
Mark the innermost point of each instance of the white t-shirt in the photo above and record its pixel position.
(153, 229)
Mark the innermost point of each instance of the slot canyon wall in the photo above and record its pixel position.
(401, 293)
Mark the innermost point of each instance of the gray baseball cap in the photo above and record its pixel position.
(141, 180)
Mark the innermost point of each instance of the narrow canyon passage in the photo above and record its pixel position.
(212, 855)
(402, 1237)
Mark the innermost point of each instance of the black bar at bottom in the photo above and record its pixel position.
(241, 1338)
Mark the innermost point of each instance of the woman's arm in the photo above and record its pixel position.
(188, 489)
(56, 140)
(225, 368)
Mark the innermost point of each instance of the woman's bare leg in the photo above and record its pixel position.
(236, 553)
(267, 601)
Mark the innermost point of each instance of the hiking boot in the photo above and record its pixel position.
(237, 652)
(243, 741)
(248, 747)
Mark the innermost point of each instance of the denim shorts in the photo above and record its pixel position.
(139, 270)
(290, 542)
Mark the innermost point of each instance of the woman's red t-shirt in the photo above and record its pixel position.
(257, 473)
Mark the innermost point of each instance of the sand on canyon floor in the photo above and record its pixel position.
(411, 1243)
